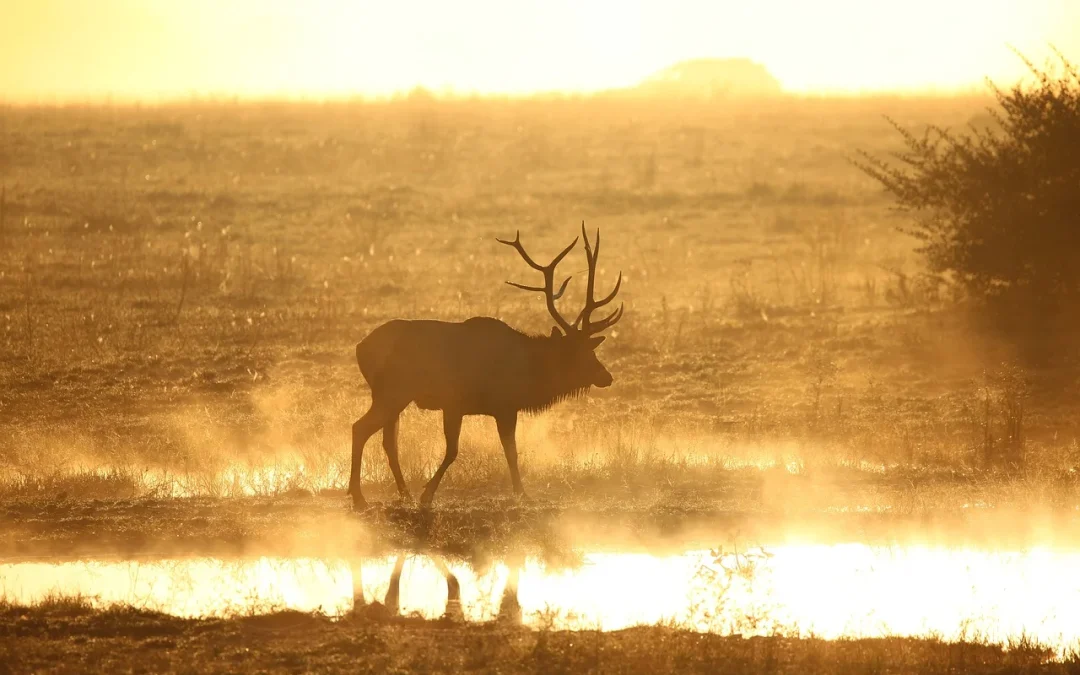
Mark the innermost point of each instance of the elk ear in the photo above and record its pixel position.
(555, 332)
(595, 342)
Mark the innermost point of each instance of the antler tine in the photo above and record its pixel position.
(610, 296)
(562, 255)
(562, 289)
(592, 255)
(597, 305)
(538, 289)
(608, 321)
(541, 289)
(521, 250)
(548, 289)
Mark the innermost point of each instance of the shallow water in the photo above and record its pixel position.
(825, 590)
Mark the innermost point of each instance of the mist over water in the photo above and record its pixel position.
(826, 591)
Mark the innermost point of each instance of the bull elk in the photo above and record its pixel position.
(480, 366)
(509, 605)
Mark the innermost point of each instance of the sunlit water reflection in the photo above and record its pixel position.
(825, 590)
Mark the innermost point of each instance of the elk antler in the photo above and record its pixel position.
(548, 289)
(584, 319)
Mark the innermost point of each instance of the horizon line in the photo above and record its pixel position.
(449, 95)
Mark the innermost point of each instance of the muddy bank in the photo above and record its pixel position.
(68, 637)
(323, 525)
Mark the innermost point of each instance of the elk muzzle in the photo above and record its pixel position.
(603, 379)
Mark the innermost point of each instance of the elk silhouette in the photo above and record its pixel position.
(510, 611)
(480, 366)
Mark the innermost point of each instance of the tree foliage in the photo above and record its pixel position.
(1000, 209)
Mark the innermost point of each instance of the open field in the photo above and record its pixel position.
(181, 290)
(182, 287)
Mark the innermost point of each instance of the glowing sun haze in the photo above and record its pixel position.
(146, 49)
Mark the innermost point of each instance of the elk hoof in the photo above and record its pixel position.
(359, 504)
(426, 499)
(523, 498)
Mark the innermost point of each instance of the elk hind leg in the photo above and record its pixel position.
(362, 430)
(390, 445)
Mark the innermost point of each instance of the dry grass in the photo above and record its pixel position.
(181, 289)
(61, 636)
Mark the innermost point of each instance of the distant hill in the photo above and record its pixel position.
(708, 78)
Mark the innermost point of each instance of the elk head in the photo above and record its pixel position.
(573, 345)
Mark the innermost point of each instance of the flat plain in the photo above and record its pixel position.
(182, 288)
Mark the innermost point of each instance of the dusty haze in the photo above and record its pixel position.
(129, 50)
(189, 255)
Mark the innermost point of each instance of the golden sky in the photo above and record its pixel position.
(79, 49)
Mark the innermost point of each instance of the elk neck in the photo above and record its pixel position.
(554, 379)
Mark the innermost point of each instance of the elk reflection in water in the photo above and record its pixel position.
(406, 585)
(509, 607)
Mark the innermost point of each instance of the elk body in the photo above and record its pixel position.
(480, 366)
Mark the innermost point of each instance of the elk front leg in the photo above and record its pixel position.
(507, 434)
(452, 431)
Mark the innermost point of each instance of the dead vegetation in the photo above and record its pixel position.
(63, 635)
(181, 289)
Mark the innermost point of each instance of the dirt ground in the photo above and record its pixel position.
(66, 637)
(465, 523)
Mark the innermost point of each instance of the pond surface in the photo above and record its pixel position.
(829, 591)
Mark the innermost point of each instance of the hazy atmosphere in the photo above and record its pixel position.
(147, 49)
(539, 337)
